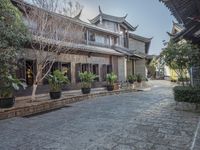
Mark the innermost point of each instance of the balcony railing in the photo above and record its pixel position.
(80, 41)
(93, 43)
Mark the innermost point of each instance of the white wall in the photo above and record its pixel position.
(140, 67)
(122, 72)
(136, 45)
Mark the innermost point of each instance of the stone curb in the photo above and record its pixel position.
(48, 105)
(184, 106)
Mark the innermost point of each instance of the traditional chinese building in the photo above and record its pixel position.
(108, 45)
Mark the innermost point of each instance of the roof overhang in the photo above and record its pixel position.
(187, 12)
(65, 47)
(147, 41)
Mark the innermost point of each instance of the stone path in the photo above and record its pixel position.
(133, 121)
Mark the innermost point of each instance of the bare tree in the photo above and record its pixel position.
(65, 7)
(70, 8)
(52, 34)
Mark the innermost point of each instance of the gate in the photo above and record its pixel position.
(195, 76)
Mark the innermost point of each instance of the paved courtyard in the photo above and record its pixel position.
(134, 121)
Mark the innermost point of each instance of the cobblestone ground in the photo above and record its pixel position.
(133, 121)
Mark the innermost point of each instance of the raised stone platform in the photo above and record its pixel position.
(25, 107)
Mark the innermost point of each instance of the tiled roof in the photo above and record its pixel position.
(121, 20)
(75, 20)
(78, 47)
(128, 52)
(178, 25)
(140, 38)
(107, 17)
(183, 9)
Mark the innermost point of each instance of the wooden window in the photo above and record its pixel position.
(86, 67)
(95, 70)
(66, 68)
(91, 36)
(20, 72)
(103, 72)
(78, 69)
(109, 69)
(55, 66)
(30, 71)
(26, 70)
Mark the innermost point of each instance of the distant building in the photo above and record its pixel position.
(187, 13)
(170, 74)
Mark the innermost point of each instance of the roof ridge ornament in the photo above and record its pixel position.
(125, 16)
(100, 11)
(78, 15)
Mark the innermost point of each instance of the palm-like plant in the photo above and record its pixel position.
(87, 78)
(111, 78)
(8, 84)
(56, 80)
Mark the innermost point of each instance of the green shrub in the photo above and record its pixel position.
(187, 94)
(139, 78)
(131, 78)
(182, 79)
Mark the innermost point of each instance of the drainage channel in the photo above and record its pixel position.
(195, 136)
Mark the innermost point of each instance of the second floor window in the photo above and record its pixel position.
(91, 36)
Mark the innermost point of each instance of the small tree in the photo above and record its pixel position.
(181, 57)
(152, 67)
(13, 35)
(51, 35)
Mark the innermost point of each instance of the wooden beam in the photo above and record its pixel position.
(197, 2)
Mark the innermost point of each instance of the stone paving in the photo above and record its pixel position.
(132, 121)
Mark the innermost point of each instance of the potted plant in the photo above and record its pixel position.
(8, 84)
(86, 80)
(56, 80)
(139, 78)
(131, 79)
(111, 78)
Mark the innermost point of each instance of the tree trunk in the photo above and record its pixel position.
(33, 96)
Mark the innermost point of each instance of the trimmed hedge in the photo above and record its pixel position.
(187, 94)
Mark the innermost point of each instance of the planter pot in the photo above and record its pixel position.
(55, 95)
(85, 90)
(7, 102)
(131, 82)
(110, 87)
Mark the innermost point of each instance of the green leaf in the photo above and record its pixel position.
(15, 86)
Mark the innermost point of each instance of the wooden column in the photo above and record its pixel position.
(87, 37)
(110, 41)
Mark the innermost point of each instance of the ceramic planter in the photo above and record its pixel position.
(110, 87)
(55, 95)
(7, 102)
(85, 90)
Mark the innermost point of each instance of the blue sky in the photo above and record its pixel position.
(153, 18)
